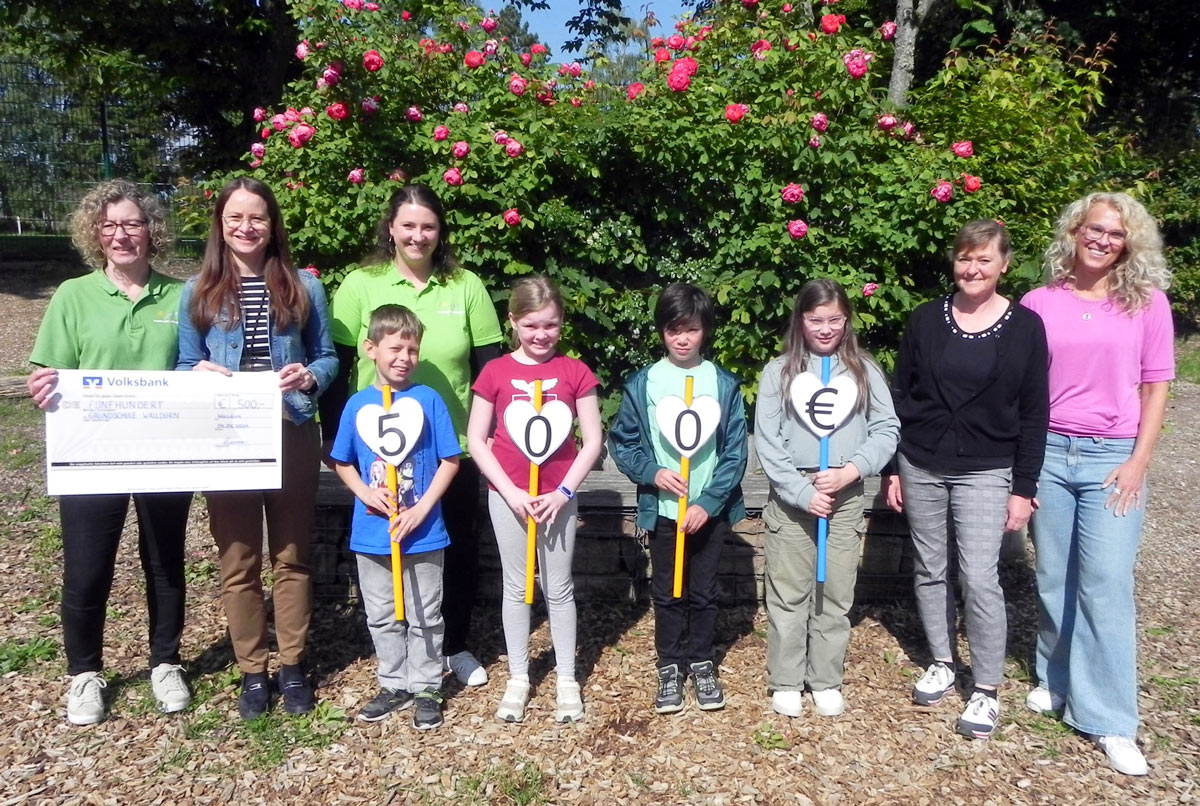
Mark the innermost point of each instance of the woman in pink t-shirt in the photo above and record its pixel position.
(1109, 331)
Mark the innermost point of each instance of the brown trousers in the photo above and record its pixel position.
(236, 521)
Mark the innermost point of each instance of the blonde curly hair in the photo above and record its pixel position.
(1139, 270)
(85, 221)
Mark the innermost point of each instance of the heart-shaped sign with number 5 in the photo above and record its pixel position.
(391, 434)
(823, 408)
(538, 434)
(688, 428)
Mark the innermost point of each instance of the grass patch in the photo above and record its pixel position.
(21, 445)
(769, 738)
(18, 653)
(200, 571)
(274, 735)
(1159, 631)
(1187, 359)
(520, 785)
(201, 726)
(1174, 691)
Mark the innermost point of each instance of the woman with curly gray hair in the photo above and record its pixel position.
(122, 315)
(1110, 336)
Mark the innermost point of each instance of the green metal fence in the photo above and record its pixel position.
(55, 144)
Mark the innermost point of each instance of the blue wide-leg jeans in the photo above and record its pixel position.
(1087, 632)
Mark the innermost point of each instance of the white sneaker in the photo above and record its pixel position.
(829, 702)
(569, 701)
(933, 685)
(788, 703)
(170, 688)
(1123, 755)
(512, 704)
(85, 700)
(979, 718)
(1042, 700)
(466, 668)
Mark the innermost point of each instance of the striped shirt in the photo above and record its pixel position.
(255, 300)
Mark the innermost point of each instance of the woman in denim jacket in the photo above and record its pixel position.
(249, 310)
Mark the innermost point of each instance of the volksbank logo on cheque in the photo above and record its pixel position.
(118, 381)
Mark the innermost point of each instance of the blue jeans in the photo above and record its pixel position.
(1087, 639)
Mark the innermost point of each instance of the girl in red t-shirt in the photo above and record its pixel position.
(505, 395)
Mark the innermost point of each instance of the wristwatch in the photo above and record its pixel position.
(565, 490)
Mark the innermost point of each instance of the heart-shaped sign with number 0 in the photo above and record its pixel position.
(538, 434)
(823, 408)
(391, 434)
(688, 428)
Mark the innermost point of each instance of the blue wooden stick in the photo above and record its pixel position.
(822, 523)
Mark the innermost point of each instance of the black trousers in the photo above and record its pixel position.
(91, 532)
(684, 628)
(460, 573)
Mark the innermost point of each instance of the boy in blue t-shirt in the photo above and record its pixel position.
(409, 651)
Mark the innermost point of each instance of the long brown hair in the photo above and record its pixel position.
(217, 285)
(444, 262)
(814, 294)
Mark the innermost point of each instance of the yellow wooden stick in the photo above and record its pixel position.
(530, 523)
(684, 470)
(397, 566)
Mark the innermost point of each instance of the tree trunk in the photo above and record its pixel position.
(908, 22)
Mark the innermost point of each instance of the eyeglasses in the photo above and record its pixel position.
(834, 322)
(132, 228)
(1095, 233)
(255, 221)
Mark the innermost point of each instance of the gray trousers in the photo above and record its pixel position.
(409, 651)
(977, 504)
(803, 647)
(555, 551)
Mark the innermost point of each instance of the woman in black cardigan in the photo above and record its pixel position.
(971, 392)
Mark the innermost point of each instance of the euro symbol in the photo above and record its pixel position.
(818, 408)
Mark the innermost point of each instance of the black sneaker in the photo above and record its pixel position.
(384, 703)
(428, 712)
(296, 692)
(709, 695)
(669, 699)
(255, 699)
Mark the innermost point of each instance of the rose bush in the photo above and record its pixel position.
(625, 188)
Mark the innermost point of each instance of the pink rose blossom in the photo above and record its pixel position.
(635, 89)
(474, 59)
(908, 129)
(830, 23)
(526, 59)
(678, 81)
(353, 5)
(460, 150)
(453, 177)
(787, 8)
(963, 149)
(330, 76)
(291, 115)
(657, 42)
(546, 97)
(888, 122)
(500, 138)
(589, 85)
(398, 175)
(970, 183)
(311, 269)
(814, 142)
(302, 50)
(944, 191)
(255, 163)
(749, 3)
(820, 121)
(888, 31)
(279, 122)
(512, 217)
(306, 112)
(260, 114)
(463, 25)
(356, 176)
(371, 6)
(488, 24)
(372, 60)
(576, 102)
(337, 111)
(759, 49)
(517, 85)
(686, 65)
(869, 289)
(537, 49)
(513, 148)
(793, 193)
(440, 133)
(797, 229)
(735, 112)
(414, 115)
(406, 15)
(267, 132)
(662, 55)
(258, 150)
(370, 105)
(461, 108)
(300, 135)
(856, 63)
(676, 42)
(490, 47)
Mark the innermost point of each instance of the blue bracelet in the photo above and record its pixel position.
(565, 490)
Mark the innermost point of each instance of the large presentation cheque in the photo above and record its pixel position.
(119, 431)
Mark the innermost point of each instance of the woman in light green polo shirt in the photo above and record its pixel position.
(416, 268)
(123, 315)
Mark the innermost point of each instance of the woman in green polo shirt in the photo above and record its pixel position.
(415, 267)
(123, 315)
